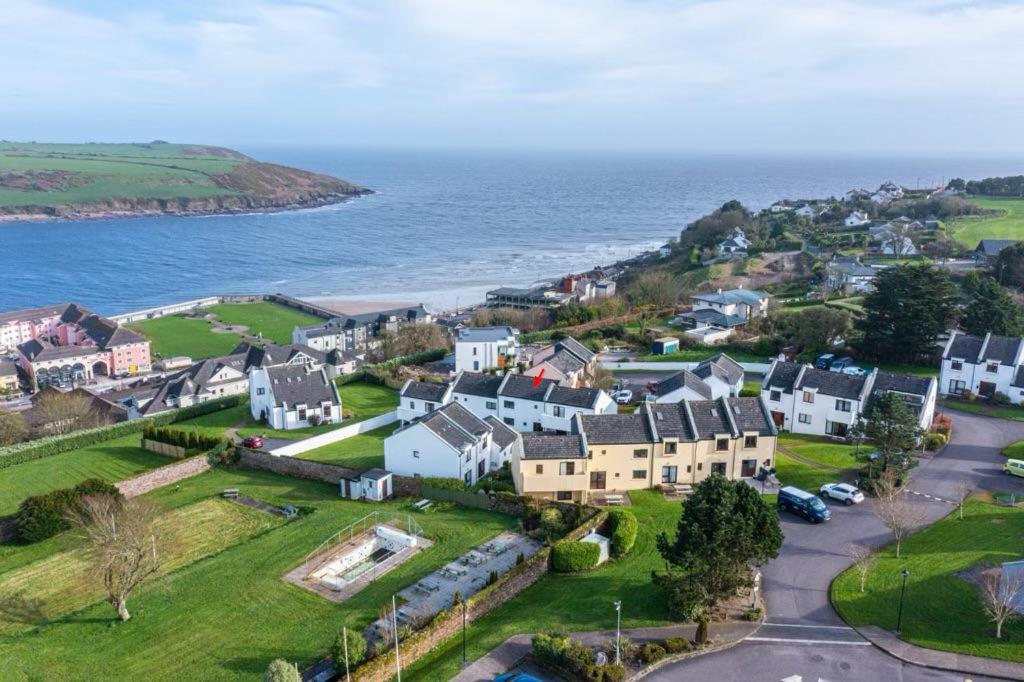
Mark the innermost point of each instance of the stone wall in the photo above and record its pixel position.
(157, 478)
(300, 468)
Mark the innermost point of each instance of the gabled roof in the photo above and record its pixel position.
(782, 375)
(992, 247)
(520, 386)
(501, 433)
(670, 420)
(424, 390)
(1002, 348)
(467, 421)
(751, 414)
(37, 314)
(611, 429)
(553, 446)
(834, 384)
(293, 385)
(484, 334)
(902, 383)
(273, 355)
(964, 347)
(710, 418)
(576, 348)
(565, 362)
(38, 351)
(482, 385)
(572, 397)
(721, 366)
(748, 296)
(684, 379)
(714, 317)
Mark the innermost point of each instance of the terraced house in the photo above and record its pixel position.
(661, 444)
(983, 365)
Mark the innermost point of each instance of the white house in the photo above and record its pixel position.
(568, 362)
(742, 303)
(807, 211)
(856, 195)
(856, 219)
(684, 385)
(983, 365)
(293, 396)
(722, 374)
(450, 442)
(478, 349)
(736, 244)
(202, 381)
(849, 275)
(803, 399)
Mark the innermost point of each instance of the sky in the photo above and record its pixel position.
(728, 76)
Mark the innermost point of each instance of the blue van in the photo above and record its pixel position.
(824, 361)
(803, 503)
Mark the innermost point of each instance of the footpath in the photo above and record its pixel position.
(942, 660)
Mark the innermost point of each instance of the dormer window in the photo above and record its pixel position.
(992, 367)
(722, 444)
(808, 396)
(957, 365)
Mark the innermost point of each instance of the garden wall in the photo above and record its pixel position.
(157, 478)
(314, 442)
(165, 449)
(299, 468)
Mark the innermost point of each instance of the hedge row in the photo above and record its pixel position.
(572, 557)
(43, 516)
(190, 440)
(624, 528)
(54, 445)
(574, 660)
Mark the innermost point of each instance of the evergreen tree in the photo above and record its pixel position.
(989, 308)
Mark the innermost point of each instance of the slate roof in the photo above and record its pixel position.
(782, 375)
(466, 420)
(483, 385)
(1002, 348)
(375, 474)
(964, 346)
(447, 430)
(611, 429)
(552, 446)
(425, 390)
(38, 351)
(573, 397)
(990, 248)
(684, 379)
(107, 333)
(748, 296)
(834, 384)
(273, 355)
(710, 417)
(32, 314)
(520, 386)
(483, 334)
(722, 367)
(902, 383)
(294, 385)
(1018, 380)
(750, 414)
(566, 362)
(501, 433)
(714, 317)
(670, 420)
(7, 368)
(576, 348)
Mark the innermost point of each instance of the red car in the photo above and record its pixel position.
(254, 442)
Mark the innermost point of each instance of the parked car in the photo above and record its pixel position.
(841, 364)
(857, 371)
(516, 677)
(624, 397)
(1014, 467)
(842, 492)
(824, 361)
(803, 503)
(254, 442)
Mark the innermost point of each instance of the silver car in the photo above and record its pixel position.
(842, 492)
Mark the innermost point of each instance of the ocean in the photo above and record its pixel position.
(443, 227)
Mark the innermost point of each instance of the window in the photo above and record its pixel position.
(957, 365)
(670, 448)
(668, 474)
(843, 405)
(992, 367)
(558, 411)
(722, 444)
(590, 454)
(565, 495)
(468, 477)
(467, 456)
(700, 466)
(416, 454)
(805, 418)
(429, 407)
(775, 396)
(540, 468)
(509, 404)
(474, 350)
(750, 441)
(689, 469)
(491, 404)
(639, 474)
(718, 468)
(808, 397)
(412, 404)
(476, 365)
(567, 468)
(261, 391)
(640, 453)
(510, 421)
(302, 414)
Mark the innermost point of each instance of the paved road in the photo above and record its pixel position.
(805, 635)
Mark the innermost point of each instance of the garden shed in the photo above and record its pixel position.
(373, 485)
(605, 544)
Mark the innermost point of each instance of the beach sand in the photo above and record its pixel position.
(354, 306)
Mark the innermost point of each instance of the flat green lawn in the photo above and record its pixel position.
(364, 450)
(1015, 450)
(228, 615)
(941, 609)
(275, 322)
(367, 400)
(1008, 224)
(175, 335)
(216, 423)
(111, 461)
(823, 450)
(912, 370)
(791, 472)
(254, 427)
(698, 354)
(981, 407)
(752, 387)
(572, 602)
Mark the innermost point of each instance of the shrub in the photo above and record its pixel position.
(549, 648)
(356, 649)
(572, 557)
(753, 615)
(934, 441)
(520, 558)
(492, 578)
(577, 657)
(43, 516)
(677, 645)
(281, 670)
(624, 528)
(999, 398)
(610, 672)
(651, 653)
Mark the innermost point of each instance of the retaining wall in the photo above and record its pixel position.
(299, 468)
(157, 478)
(314, 442)
(208, 301)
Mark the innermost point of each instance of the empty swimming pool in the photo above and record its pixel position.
(362, 556)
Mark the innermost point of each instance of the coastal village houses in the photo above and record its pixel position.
(849, 275)
(983, 365)
(803, 399)
(358, 332)
(713, 315)
(293, 396)
(567, 361)
(716, 377)
(478, 349)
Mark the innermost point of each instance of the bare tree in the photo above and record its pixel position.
(963, 491)
(1000, 592)
(601, 378)
(863, 560)
(62, 412)
(121, 544)
(12, 428)
(895, 510)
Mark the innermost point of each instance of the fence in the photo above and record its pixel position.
(456, 496)
(307, 444)
(357, 528)
(165, 449)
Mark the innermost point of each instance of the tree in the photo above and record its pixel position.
(552, 523)
(62, 412)
(814, 329)
(13, 428)
(1009, 266)
(989, 308)
(652, 288)
(863, 560)
(602, 378)
(725, 528)
(892, 426)
(120, 543)
(411, 339)
(1000, 591)
(895, 509)
(963, 491)
(356, 649)
(281, 670)
(905, 314)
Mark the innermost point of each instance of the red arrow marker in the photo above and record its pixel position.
(536, 379)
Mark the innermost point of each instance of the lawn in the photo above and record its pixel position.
(823, 450)
(1015, 450)
(175, 335)
(698, 354)
(362, 451)
(367, 400)
(254, 427)
(572, 602)
(911, 370)
(803, 476)
(1007, 224)
(228, 615)
(111, 460)
(275, 322)
(981, 407)
(941, 609)
(216, 423)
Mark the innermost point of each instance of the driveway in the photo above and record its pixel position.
(805, 636)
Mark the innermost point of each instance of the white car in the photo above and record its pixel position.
(624, 397)
(842, 492)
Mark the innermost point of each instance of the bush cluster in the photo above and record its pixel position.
(43, 516)
(558, 652)
(652, 653)
(54, 445)
(190, 440)
(571, 557)
(624, 528)
(935, 440)
(677, 645)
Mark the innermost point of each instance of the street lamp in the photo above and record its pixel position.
(618, 630)
(463, 633)
(903, 589)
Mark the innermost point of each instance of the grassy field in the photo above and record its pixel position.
(803, 476)
(1015, 450)
(112, 460)
(275, 322)
(225, 617)
(1007, 224)
(175, 335)
(216, 423)
(912, 370)
(698, 354)
(572, 602)
(367, 400)
(941, 609)
(823, 450)
(364, 450)
(981, 407)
